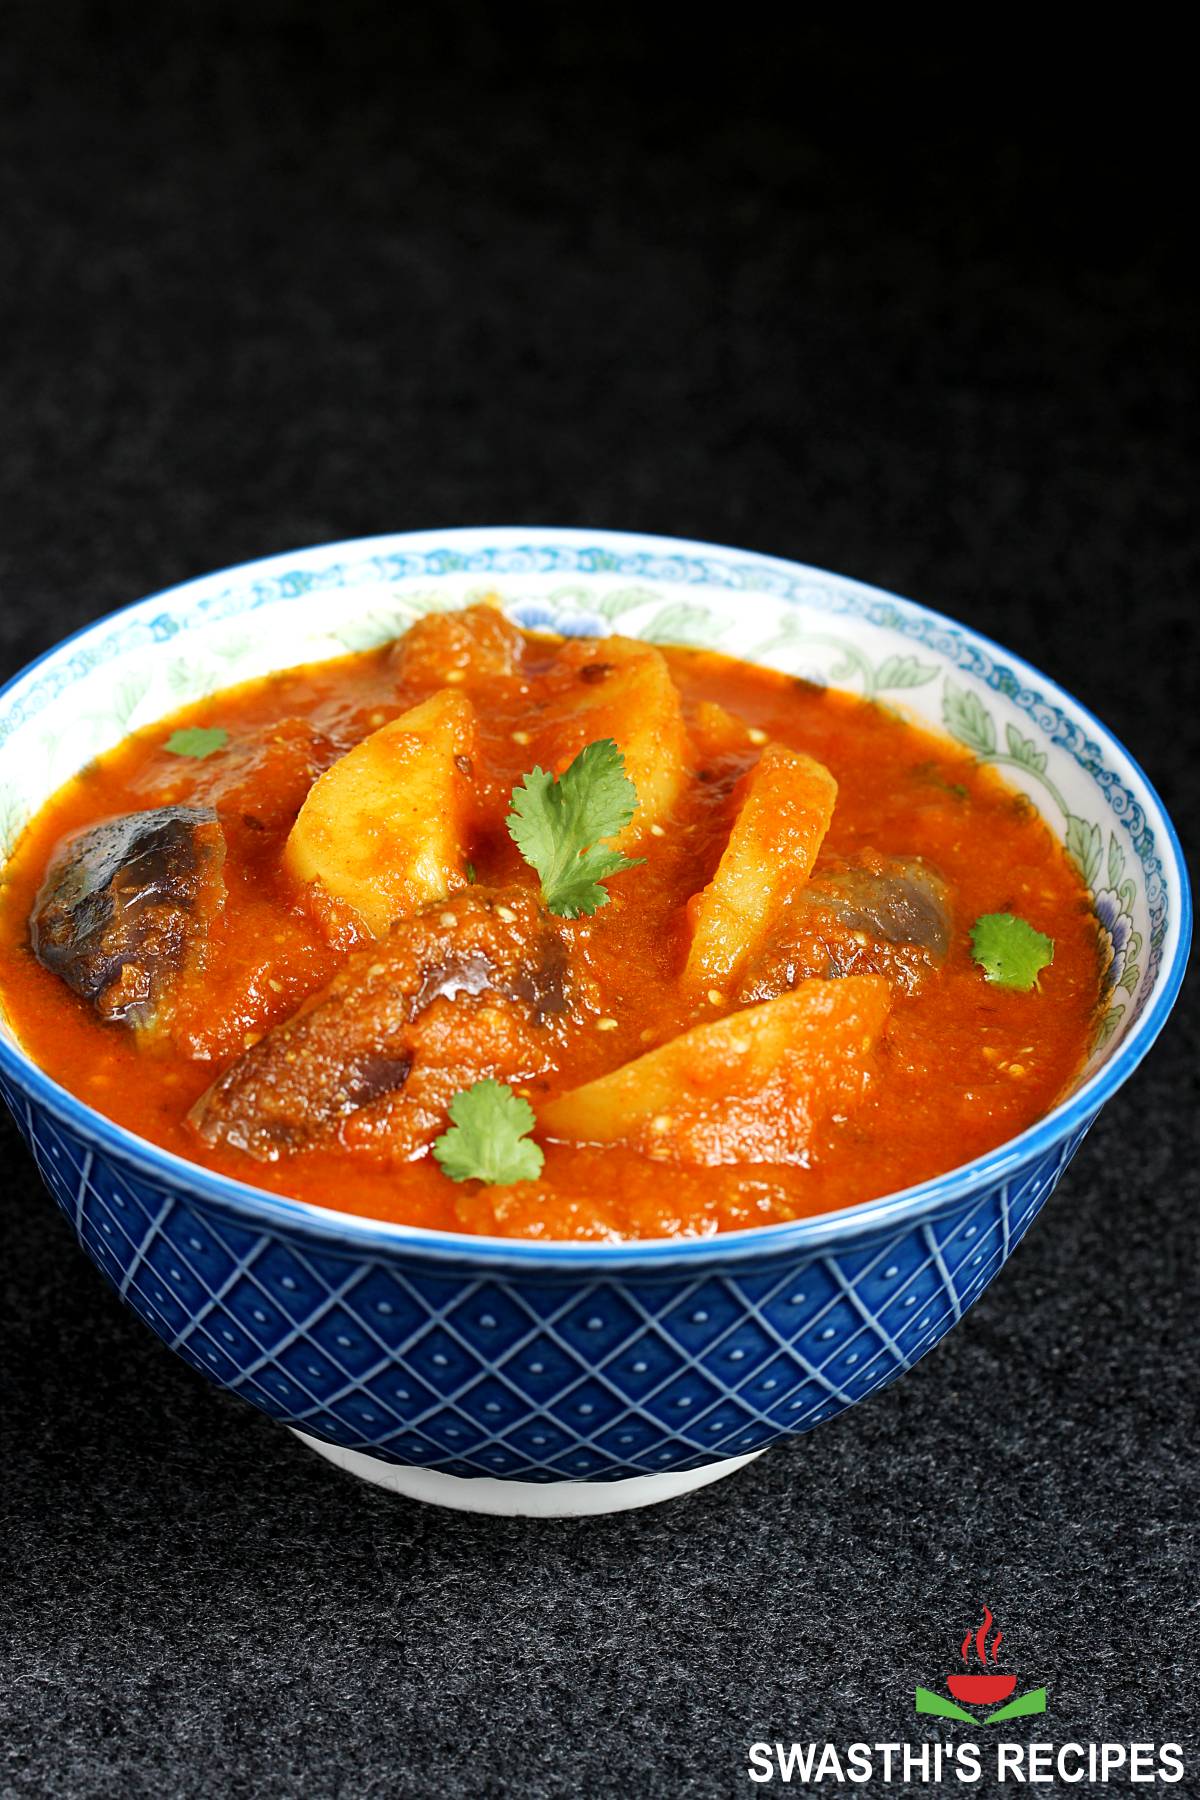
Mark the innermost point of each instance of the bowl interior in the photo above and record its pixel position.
(130, 669)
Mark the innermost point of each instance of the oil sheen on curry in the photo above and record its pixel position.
(515, 935)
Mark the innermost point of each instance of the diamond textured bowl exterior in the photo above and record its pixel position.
(578, 1362)
(522, 1372)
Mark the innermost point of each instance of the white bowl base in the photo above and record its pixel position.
(523, 1499)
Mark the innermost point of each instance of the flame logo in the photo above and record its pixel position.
(981, 1641)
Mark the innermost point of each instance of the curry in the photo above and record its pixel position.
(585, 938)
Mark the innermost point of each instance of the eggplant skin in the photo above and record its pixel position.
(901, 900)
(869, 914)
(125, 907)
(480, 985)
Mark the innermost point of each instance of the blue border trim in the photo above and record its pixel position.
(673, 560)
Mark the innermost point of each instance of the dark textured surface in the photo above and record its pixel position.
(270, 279)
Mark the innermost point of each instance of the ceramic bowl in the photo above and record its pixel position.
(567, 1378)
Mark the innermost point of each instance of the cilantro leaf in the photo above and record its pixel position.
(1009, 950)
(488, 1138)
(197, 740)
(558, 825)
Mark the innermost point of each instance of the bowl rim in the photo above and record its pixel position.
(904, 1207)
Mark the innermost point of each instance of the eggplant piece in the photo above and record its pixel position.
(125, 908)
(901, 900)
(477, 645)
(477, 986)
(867, 915)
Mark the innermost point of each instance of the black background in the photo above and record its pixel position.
(918, 308)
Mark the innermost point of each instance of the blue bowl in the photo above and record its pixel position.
(547, 1378)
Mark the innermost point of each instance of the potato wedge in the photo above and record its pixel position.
(618, 688)
(786, 806)
(752, 1087)
(384, 830)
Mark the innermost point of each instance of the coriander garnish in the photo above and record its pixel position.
(559, 826)
(1010, 951)
(488, 1139)
(197, 740)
